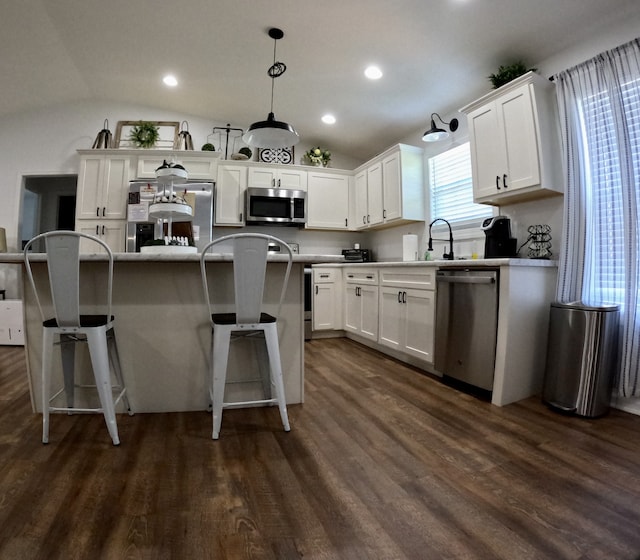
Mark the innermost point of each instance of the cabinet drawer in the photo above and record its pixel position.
(417, 278)
(324, 276)
(361, 276)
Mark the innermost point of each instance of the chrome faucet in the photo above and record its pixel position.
(447, 256)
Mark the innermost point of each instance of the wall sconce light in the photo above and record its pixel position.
(435, 134)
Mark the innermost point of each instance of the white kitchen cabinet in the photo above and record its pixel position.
(198, 165)
(11, 323)
(103, 185)
(112, 232)
(515, 151)
(361, 303)
(327, 200)
(407, 311)
(327, 299)
(230, 194)
(277, 178)
(389, 190)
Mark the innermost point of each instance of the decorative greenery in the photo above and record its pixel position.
(246, 151)
(509, 72)
(317, 156)
(144, 134)
(208, 147)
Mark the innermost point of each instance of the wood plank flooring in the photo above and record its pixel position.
(383, 462)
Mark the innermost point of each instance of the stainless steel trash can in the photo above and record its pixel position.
(582, 353)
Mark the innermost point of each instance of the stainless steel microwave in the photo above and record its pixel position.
(284, 207)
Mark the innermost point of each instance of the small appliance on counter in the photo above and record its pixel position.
(498, 242)
(356, 255)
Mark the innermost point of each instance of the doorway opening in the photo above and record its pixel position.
(48, 203)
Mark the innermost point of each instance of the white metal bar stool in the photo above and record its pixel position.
(249, 270)
(71, 326)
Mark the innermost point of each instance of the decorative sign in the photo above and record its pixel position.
(276, 155)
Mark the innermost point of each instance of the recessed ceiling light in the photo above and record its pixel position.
(373, 73)
(170, 80)
(328, 119)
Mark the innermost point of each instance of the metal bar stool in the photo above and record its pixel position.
(249, 271)
(71, 326)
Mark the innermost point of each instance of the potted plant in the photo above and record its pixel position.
(509, 72)
(318, 156)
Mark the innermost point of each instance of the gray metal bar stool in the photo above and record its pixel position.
(66, 322)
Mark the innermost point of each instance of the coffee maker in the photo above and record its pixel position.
(498, 242)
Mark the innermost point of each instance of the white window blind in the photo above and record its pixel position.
(606, 283)
(452, 189)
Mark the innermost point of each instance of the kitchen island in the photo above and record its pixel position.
(163, 329)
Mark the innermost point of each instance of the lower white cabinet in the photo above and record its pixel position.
(407, 311)
(327, 299)
(361, 303)
(11, 323)
(112, 232)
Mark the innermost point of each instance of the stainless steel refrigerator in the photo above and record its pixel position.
(140, 228)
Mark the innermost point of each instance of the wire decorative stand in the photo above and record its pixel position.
(539, 242)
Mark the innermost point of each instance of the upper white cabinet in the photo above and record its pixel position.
(327, 200)
(514, 142)
(199, 165)
(103, 183)
(230, 188)
(277, 178)
(389, 190)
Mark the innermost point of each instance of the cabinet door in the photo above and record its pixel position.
(518, 127)
(292, 179)
(352, 309)
(230, 189)
(375, 202)
(327, 201)
(360, 187)
(115, 187)
(392, 185)
(419, 319)
(88, 197)
(488, 155)
(324, 305)
(391, 317)
(261, 177)
(369, 312)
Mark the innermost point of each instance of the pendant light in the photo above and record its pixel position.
(272, 133)
(435, 134)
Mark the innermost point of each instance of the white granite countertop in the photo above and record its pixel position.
(18, 258)
(459, 263)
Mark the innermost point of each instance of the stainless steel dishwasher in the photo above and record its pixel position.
(466, 325)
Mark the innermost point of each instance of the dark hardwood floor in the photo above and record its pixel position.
(382, 462)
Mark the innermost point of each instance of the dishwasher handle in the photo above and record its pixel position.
(467, 279)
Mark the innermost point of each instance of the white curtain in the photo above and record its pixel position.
(599, 110)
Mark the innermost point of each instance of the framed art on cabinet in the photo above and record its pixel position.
(139, 134)
(276, 155)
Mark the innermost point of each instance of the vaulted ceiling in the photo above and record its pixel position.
(435, 56)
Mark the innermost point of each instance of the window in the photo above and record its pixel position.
(605, 282)
(452, 189)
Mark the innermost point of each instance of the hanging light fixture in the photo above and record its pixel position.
(435, 134)
(272, 133)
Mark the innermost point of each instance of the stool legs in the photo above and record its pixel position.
(98, 350)
(275, 365)
(219, 361)
(47, 351)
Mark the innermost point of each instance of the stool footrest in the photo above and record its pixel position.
(249, 403)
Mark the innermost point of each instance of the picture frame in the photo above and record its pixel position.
(168, 135)
(277, 155)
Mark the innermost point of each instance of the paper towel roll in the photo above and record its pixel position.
(410, 247)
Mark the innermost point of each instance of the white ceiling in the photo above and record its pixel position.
(435, 55)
